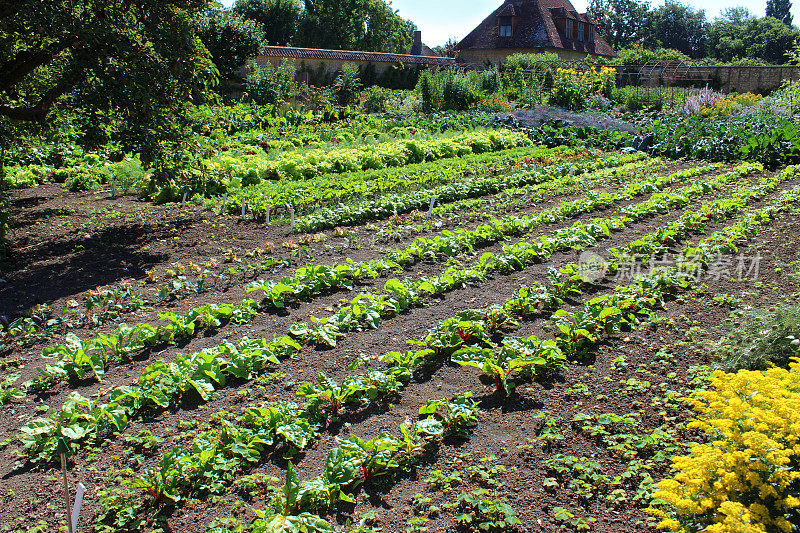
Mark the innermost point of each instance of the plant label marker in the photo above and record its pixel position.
(76, 509)
(183, 201)
(224, 201)
(244, 208)
(267, 214)
(291, 227)
(430, 208)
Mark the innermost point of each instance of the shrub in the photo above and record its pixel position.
(457, 95)
(747, 478)
(529, 61)
(449, 89)
(375, 99)
(640, 98)
(571, 88)
(347, 85)
(640, 56)
(269, 84)
(759, 339)
(490, 81)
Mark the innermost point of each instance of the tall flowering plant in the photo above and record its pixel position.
(705, 98)
(746, 479)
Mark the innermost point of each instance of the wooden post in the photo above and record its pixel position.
(66, 493)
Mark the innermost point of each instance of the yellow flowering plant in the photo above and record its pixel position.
(746, 479)
(730, 105)
(570, 87)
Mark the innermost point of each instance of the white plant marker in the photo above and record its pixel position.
(267, 214)
(224, 201)
(244, 208)
(430, 208)
(183, 201)
(292, 225)
(76, 509)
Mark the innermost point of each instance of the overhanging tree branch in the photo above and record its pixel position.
(39, 111)
(26, 62)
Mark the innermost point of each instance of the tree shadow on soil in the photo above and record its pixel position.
(58, 269)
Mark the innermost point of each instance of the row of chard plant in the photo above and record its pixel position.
(75, 357)
(368, 309)
(162, 383)
(258, 432)
(394, 204)
(307, 195)
(301, 504)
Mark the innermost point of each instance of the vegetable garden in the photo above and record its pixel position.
(399, 324)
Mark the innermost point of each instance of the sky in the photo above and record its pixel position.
(441, 19)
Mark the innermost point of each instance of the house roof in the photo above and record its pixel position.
(424, 50)
(535, 28)
(351, 55)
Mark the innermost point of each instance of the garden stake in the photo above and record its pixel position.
(224, 201)
(244, 209)
(66, 491)
(267, 214)
(291, 227)
(183, 201)
(76, 509)
(430, 209)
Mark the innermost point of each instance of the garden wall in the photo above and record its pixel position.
(759, 80)
(741, 79)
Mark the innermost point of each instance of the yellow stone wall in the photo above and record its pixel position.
(495, 57)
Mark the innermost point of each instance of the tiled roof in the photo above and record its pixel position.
(351, 55)
(535, 28)
(425, 50)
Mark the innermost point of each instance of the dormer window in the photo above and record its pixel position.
(591, 33)
(505, 26)
(580, 31)
(569, 29)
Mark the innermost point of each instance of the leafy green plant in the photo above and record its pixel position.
(486, 511)
(458, 416)
(7, 390)
(500, 362)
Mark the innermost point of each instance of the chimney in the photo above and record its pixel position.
(416, 48)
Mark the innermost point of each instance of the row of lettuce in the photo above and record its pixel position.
(363, 148)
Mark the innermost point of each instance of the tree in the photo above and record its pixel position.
(141, 59)
(676, 25)
(278, 18)
(770, 39)
(231, 40)
(726, 40)
(781, 10)
(622, 23)
(369, 25)
(738, 16)
(448, 50)
(765, 38)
